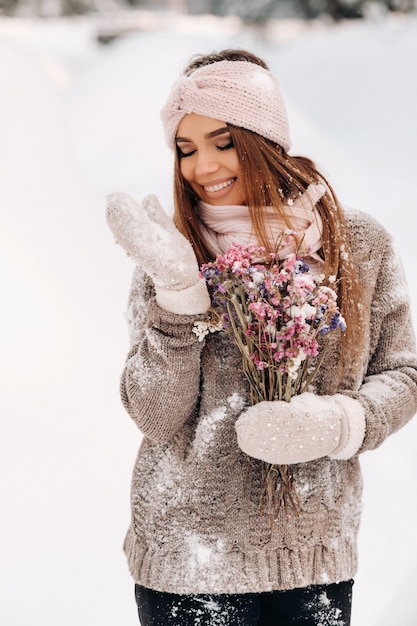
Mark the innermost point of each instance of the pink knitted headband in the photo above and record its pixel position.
(236, 92)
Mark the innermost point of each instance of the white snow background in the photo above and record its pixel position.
(79, 120)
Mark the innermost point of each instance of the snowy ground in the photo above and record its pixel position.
(78, 120)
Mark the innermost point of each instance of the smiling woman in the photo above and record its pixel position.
(200, 547)
(209, 161)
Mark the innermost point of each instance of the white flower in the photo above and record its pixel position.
(271, 329)
(295, 311)
(318, 278)
(202, 328)
(294, 366)
(330, 292)
(306, 311)
(257, 277)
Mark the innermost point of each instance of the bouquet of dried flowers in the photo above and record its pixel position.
(279, 316)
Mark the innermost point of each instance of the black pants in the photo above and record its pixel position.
(317, 605)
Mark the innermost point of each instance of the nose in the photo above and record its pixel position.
(206, 164)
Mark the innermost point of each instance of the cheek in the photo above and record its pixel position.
(234, 162)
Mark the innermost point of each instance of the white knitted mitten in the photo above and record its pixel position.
(306, 428)
(150, 237)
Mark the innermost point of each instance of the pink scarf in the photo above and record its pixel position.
(224, 225)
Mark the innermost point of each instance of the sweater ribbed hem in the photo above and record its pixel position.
(240, 573)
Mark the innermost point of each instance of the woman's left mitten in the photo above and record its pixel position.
(306, 428)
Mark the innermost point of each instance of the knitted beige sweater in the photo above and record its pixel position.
(196, 526)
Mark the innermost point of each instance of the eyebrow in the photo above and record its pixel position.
(214, 133)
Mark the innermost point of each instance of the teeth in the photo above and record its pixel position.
(212, 188)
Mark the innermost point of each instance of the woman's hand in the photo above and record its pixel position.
(150, 237)
(306, 428)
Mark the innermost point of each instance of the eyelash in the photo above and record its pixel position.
(182, 155)
(228, 146)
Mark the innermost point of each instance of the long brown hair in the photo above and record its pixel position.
(270, 176)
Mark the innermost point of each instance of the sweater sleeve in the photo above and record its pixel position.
(389, 391)
(161, 379)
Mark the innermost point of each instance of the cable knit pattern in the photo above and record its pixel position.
(236, 92)
(196, 526)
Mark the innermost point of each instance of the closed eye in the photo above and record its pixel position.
(183, 154)
(227, 146)
(186, 151)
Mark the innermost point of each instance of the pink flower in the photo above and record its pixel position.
(275, 311)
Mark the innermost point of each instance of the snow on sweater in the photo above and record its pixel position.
(196, 525)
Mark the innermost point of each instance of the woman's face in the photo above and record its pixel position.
(209, 161)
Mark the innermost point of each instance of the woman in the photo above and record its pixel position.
(199, 548)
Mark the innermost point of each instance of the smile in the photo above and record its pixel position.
(219, 186)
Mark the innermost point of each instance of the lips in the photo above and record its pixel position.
(219, 186)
